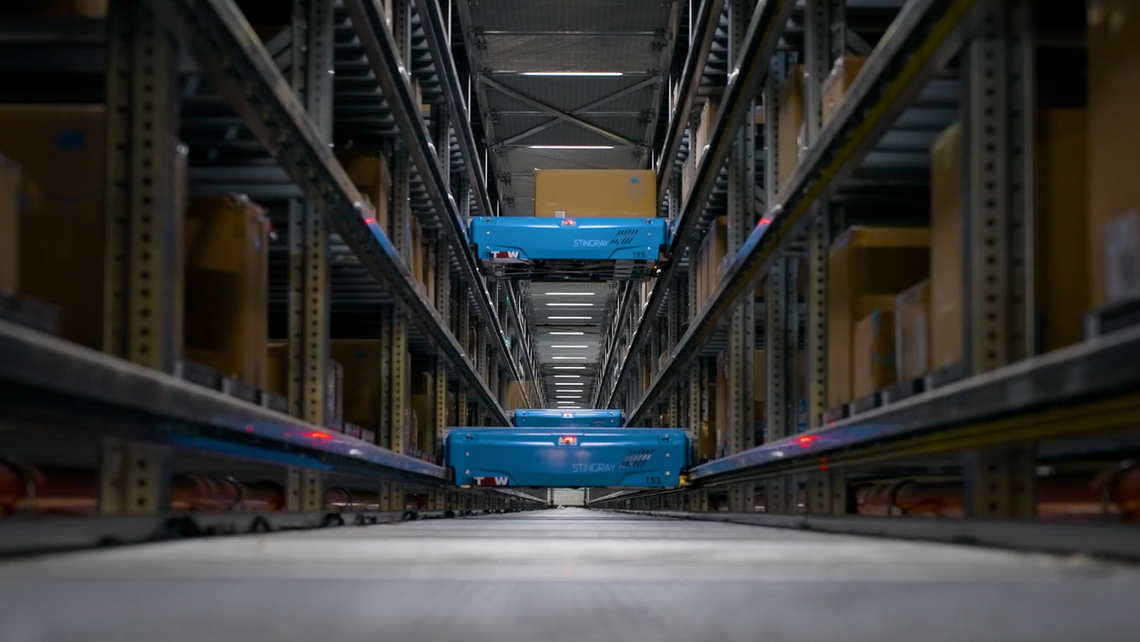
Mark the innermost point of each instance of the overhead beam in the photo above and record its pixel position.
(570, 118)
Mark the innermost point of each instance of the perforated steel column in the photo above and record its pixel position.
(998, 314)
(401, 221)
(442, 303)
(819, 242)
(308, 300)
(742, 324)
(143, 258)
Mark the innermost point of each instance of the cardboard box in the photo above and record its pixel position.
(61, 152)
(277, 368)
(789, 137)
(423, 405)
(703, 131)
(1062, 226)
(721, 403)
(56, 8)
(946, 258)
(873, 353)
(227, 287)
(594, 193)
(837, 83)
(867, 268)
(11, 189)
(720, 396)
(912, 332)
(361, 362)
(707, 445)
(713, 249)
(369, 172)
(1114, 138)
(516, 396)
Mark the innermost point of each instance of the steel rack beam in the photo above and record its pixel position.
(1081, 389)
(230, 56)
(388, 65)
(40, 372)
(924, 36)
(759, 44)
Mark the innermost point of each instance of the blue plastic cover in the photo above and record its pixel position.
(569, 458)
(518, 238)
(568, 418)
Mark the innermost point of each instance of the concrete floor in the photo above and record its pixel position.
(566, 574)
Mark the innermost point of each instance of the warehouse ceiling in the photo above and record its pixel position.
(567, 85)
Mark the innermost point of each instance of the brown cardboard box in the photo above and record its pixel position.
(362, 370)
(867, 268)
(593, 193)
(56, 8)
(837, 83)
(703, 132)
(61, 150)
(912, 332)
(791, 106)
(11, 187)
(369, 172)
(516, 396)
(1062, 182)
(424, 407)
(713, 250)
(1114, 138)
(227, 287)
(277, 368)
(873, 353)
(946, 320)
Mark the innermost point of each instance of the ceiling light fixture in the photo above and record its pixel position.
(569, 305)
(569, 294)
(570, 146)
(570, 396)
(571, 318)
(569, 377)
(568, 334)
(569, 346)
(571, 73)
(569, 367)
(570, 358)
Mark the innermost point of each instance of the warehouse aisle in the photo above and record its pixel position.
(565, 574)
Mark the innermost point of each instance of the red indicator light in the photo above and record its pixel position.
(765, 221)
(369, 221)
(318, 435)
(805, 441)
(568, 440)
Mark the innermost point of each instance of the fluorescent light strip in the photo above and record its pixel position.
(569, 358)
(569, 346)
(567, 383)
(571, 318)
(571, 73)
(569, 367)
(570, 397)
(570, 146)
(569, 305)
(569, 294)
(568, 377)
(568, 334)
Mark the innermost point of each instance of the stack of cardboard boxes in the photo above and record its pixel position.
(517, 394)
(717, 436)
(867, 269)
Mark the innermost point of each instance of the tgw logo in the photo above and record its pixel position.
(505, 255)
(490, 481)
